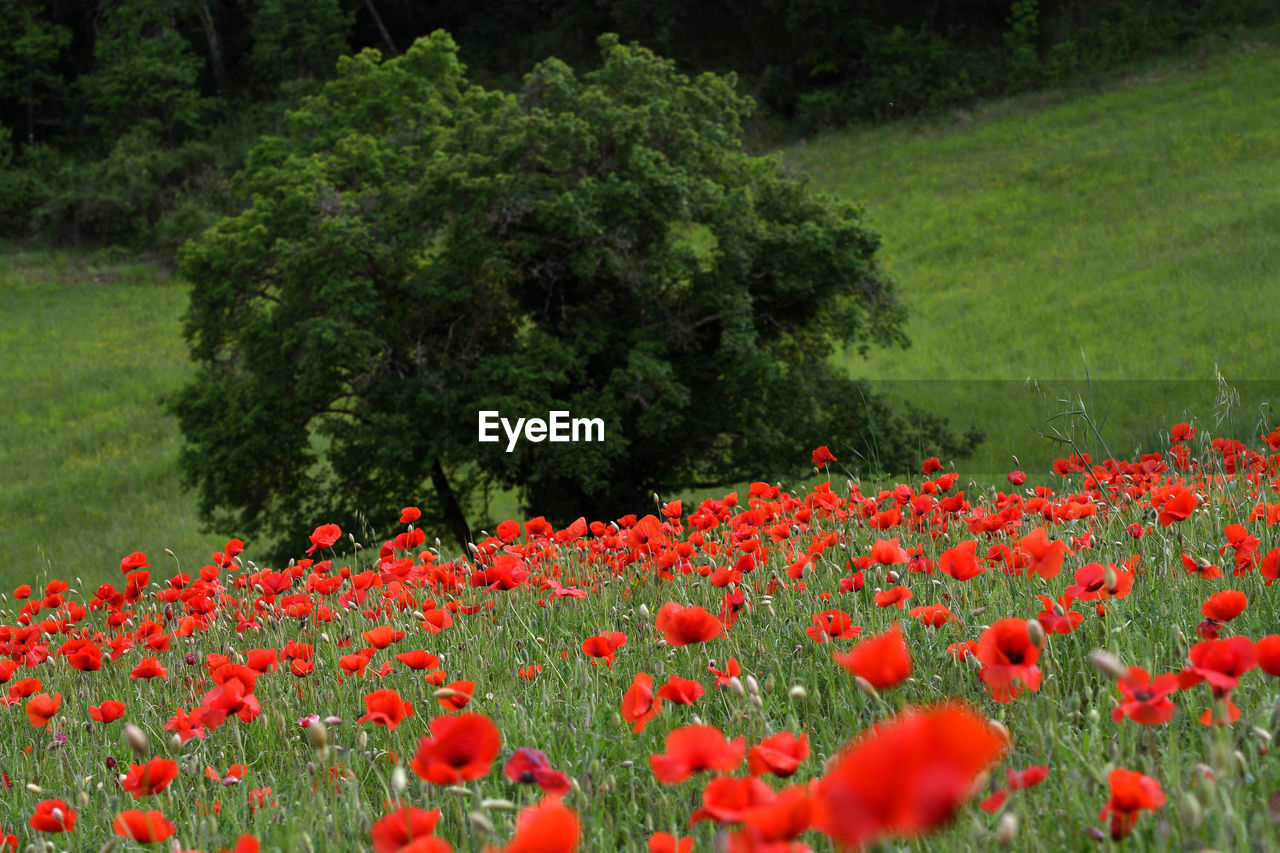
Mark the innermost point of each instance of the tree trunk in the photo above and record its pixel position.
(382, 28)
(452, 511)
(205, 12)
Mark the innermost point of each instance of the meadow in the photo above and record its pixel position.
(921, 667)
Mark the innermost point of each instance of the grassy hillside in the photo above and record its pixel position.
(89, 457)
(1135, 231)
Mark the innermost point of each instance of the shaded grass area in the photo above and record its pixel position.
(1132, 234)
(90, 350)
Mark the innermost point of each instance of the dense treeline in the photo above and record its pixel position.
(120, 120)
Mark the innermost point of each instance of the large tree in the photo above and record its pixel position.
(417, 249)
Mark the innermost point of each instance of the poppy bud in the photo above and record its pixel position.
(459, 790)
(1035, 633)
(1007, 831)
(1242, 762)
(497, 805)
(34, 788)
(1109, 578)
(735, 684)
(798, 693)
(643, 611)
(757, 701)
(362, 740)
(399, 781)
(866, 687)
(998, 726)
(1107, 663)
(1192, 813)
(82, 799)
(753, 686)
(318, 734)
(480, 823)
(135, 738)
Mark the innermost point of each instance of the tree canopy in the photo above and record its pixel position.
(417, 249)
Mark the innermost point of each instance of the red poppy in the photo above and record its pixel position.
(832, 623)
(961, 561)
(1176, 505)
(1096, 582)
(604, 646)
(459, 748)
(691, 749)
(548, 827)
(1057, 616)
(731, 670)
(1046, 554)
(780, 754)
(665, 842)
(107, 712)
(907, 776)
(386, 708)
(149, 668)
(883, 660)
(823, 455)
(410, 514)
(456, 695)
(1008, 657)
(144, 780)
(1028, 778)
(639, 705)
(136, 560)
(930, 465)
(1224, 606)
(887, 552)
(727, 799)
(894, 596)
(933, 615)
(530, 766)
(1146, 701)
(1131, 793)
(681, 626)
(393, 831)
(41, 708)
(147, 827)
(681, 691)
(324, 537)
(382, 636)
(1268, 653)
(53, 816)
(418, 659)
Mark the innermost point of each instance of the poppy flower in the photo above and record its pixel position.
(961, 561)
(639, 705)
(1027, 778)
(548, 827)
(681, 691)
(883, 660)
(933, 615)
(780, 754)
(1046, 554)
(1177, 505)
(731, 670)
(1008, 657)
(1224, 606)
(382, 636)
(1267, 651)
(1096, 582)
(107, 712)
(887, 552)
(459, 748)
(1131, 793)
(1146, 701)
(418, 659)
(832, 623)
(823, 455)
(682, 626)
(894, 596)
(604, 646)
(394, 831)
(456, 695)
(136, 560)
(665, 842)
(144, 780)
(147, 827)
(727, 799)
(386, 708)
(691, 749)
(410, 514)
(149, 668)
(53, 816)
(41, 708)
(907, 776)
(324, 537)
(530, 766)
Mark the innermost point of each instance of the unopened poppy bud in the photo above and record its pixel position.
(1093, 715)
(798, 693)
(34, 788)
(111, 845)
(973, 662)
(1192, 813)
(1242, 762)
(1007, 831)
(866, 687)
(1058, 609)
(657, 499)
(735, 684)
(497, 805)
(399, 780)
(757, 701)
(1109, 577)
(362, 740)
(892, 576)
(643, 611)
(753, 686)
(318, 734)
(480, 823)
(135, 738)
(999, 726)
(1107, 663)
(459, 790)
(1035, 632)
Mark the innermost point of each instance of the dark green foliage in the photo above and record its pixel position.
(418, 249)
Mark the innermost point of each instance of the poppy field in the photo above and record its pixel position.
(933, 666)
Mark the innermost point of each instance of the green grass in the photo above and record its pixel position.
(88, 455)
(1135, 230)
